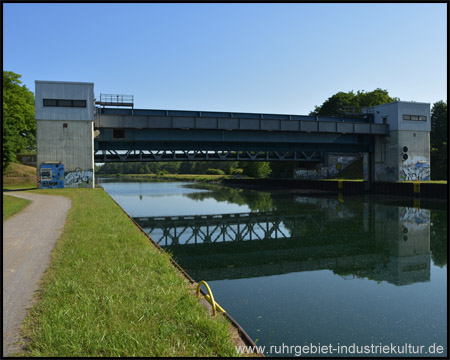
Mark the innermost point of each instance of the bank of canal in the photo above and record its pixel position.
(108, 292)
(299, 270)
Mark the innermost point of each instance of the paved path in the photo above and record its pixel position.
(28, 239)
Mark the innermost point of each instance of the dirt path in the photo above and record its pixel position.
(28, 239)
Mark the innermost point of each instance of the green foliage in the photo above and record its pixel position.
(256, 169)
(438, 139)
(237, 171)
(215, 172)
(19, 125)
(167, 167)
(340, 102)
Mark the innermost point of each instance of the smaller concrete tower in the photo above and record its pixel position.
(64, 134)
(405, 153)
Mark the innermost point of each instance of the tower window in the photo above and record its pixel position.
(64, 103)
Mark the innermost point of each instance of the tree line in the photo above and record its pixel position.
(19, 135)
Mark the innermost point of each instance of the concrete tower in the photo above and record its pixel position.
(64, 134)
(405, 153)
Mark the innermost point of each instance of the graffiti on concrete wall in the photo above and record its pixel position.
(78, 178)
(417, 169)
(338, 163)
(50, 176)
(307, 174)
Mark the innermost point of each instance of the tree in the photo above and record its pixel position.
(19, 125)
(257, 169)
(337, 104)
(438, 139)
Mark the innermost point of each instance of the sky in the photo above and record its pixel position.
(262, 58)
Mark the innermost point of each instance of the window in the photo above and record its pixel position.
(50, 102)
(64, 103)
(118, 134)
(384, 120)
(415, 117)
(79, 103)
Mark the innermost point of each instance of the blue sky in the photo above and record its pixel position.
(265, 58)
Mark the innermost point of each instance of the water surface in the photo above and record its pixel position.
(300, 270)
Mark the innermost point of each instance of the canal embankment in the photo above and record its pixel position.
(416, 189)
(109, 292)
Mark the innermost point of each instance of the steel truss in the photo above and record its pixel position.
(201, 155)
(186, 230)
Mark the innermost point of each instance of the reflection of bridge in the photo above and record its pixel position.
(217, 247)
(184, 230)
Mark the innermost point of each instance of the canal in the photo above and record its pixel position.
(299, 270)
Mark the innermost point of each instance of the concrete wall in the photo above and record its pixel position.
(415, 135)
(66, 134)
(72, 145)
(64, 90)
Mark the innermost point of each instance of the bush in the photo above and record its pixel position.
(215, 172)
(237, 171)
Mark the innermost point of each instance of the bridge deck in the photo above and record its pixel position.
(192, 120)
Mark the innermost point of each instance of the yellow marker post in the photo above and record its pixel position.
(210, 297)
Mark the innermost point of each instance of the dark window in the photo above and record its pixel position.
(79, 103)
(64, 125)
(64, 103)
(118, 133)
(385, 120)
(415, 117)
(50, 102)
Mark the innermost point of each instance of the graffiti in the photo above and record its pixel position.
(414, 215)
(50, 176)
(78, 178)
(308, 174)
(417, 171)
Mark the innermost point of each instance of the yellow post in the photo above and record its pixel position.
(210, 297)
(416, 188)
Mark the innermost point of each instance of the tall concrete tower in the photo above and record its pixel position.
(405, 153)
(64, 134)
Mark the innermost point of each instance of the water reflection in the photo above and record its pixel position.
(296, 270)
(353, 239)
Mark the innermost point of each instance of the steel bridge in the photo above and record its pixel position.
(173, 135)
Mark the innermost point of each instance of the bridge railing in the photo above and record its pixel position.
(115, 100)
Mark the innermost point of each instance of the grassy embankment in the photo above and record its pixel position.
(12, 205)
(19, 176)
(109, 292)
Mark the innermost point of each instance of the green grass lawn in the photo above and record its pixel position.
(108, 292)
(12, 205)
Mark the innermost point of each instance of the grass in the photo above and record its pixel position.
(12, 205)
(108, 292)
(19, 176)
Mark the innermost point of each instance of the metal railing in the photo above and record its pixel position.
(116, 100)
